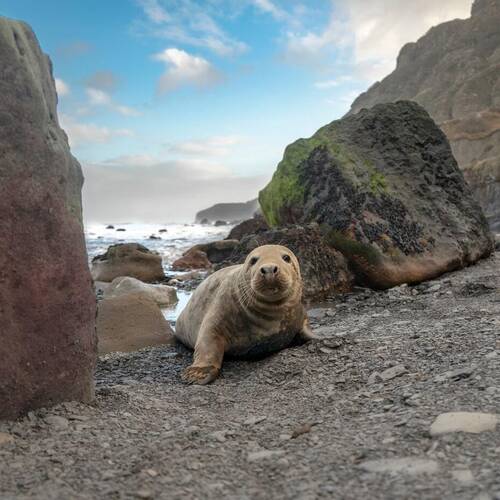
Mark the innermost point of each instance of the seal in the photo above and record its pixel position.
(247, 310)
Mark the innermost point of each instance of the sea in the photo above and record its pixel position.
(173, 240)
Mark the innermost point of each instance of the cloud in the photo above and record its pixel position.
(185, 69)
(154, 11)
(62, 87)
(328, 84)
(188, 22)
(313, 48)
(98, 97)
(89, 133)
(142, 189)
(103, 80)
(269, 7)
(212, 146)
(382, 27)
(369, 35)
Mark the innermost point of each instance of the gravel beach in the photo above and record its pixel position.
(347, 416)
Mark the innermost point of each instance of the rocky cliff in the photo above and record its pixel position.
(388, 191)
(228, 212)
(47, 304)
(454, 72)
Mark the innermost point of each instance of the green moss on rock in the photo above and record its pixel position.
(285, 192)
(378, 183)
(285, 189)
(354, 249)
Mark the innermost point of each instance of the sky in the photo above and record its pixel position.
(174, 105)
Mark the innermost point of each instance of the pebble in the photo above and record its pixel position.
(457, 374)
(374, 378)
(257, 456)
(219, 436)
(303, 429)
(462, 475)
(143, 493)
(393, 372)
(254, 420)
(471, 422)
(406, 465)
(5, 438)
(57, 422)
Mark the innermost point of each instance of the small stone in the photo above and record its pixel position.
(374, 378)
(257, 456)
(434, 288)
(5, 438)
(393, 372)
(283, 462)
(406, 465)
(462, 475)
(108, 474)
(151, 472)
(303, 429)
(57, 422)
(471, 422)
(254, 420)
(219, 436)
(144, 493)
(457, 374)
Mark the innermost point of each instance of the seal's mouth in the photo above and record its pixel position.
(270, 287)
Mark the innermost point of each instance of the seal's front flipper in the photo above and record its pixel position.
(200, 375)
(305, 334)
(208, 355)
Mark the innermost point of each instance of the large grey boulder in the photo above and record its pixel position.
(47, 304)
(388, 192)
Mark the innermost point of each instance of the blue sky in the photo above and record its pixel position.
(172, 105)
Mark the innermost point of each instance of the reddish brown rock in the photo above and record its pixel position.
(47, 304)
(128, 259)
(217, 251)
(192, 259)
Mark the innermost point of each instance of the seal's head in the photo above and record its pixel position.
(273, 272)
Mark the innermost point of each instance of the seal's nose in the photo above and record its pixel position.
(269, 271)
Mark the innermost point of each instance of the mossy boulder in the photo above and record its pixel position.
(387, 192)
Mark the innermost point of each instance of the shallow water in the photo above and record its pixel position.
(177, 239)
(172, 313)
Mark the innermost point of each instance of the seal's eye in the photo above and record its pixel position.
(286, 258)
(253, 260)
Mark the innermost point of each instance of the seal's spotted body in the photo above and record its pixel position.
(248, 310)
